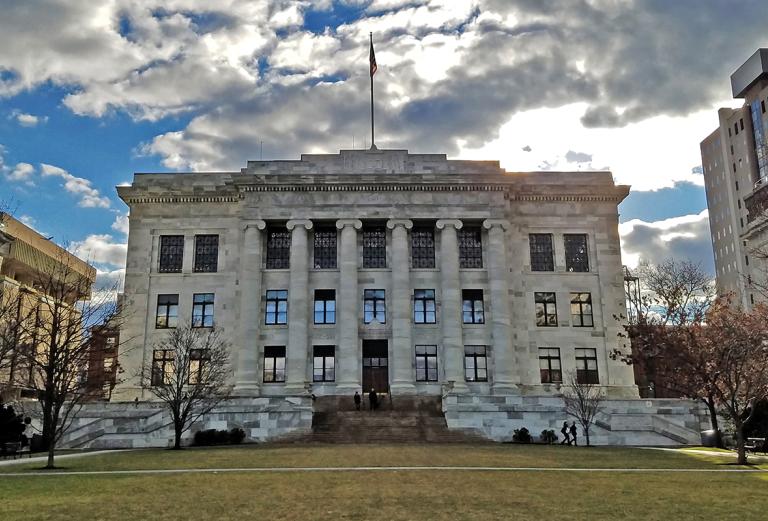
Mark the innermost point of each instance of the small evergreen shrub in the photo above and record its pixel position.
(222, 437)
(522, 435)
(548, 436)
(236, 436)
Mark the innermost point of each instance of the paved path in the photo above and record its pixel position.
(43, 459)
(729, 454)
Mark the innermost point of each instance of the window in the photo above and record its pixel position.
(581, 309)
(741, 123)
(472, 306)
(737, 186)
(162, 367)
(475, 364)
(470, 247)
(277, 307)
(274, 364)
(736, 128)
(202, 310)
(171, 253)
(586, 366)
(324, 364)
(278, 249)
(549, 365)
(542, 253)
(325, 306)
(206, 253)
(762, 106)
(423, 248)
(576, 253)
(374, 247)
(730, 134)
(167, 314)
(325, 249)
(426, 363)
(424, 306)
(546, 309)
(374, 307)
(199, 359)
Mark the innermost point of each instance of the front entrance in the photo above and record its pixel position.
(375, 366)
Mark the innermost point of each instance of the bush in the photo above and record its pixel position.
(206, 437)
(548, 436)
(222, 437)
(236, 436)
(522, 436)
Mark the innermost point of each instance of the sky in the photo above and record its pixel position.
(91, 92)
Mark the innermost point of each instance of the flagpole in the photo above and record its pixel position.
(373, 142)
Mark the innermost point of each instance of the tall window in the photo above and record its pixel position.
(162, 367)
(470, 247)
(171, 253)
(278, 249)
(581, 309)
(475, 364)
(424, 306)
(546, 309)
(325, 248)
(426, 363)
(277, 307)
(549, 365)
(325, 306)
(423, 248)
(206, 253)
(374, 247)
(586, 366)
(576, 252)
(374, 307)
(199, 359)
(472, 306)
(274, 364)
(202, 310)
(324, 364)
(167, 314)
(542, 254)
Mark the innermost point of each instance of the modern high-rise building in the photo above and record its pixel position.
(735, 162)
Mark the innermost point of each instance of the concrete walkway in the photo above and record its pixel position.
(44, 459)
(729, 454)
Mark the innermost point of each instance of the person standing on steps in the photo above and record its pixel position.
(357, 400)
(573, 434)
(373, 399)
(564, 432)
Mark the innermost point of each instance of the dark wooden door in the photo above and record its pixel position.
(375, 366)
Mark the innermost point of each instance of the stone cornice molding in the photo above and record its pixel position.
(173, 199)
(501, 223)
(257, 224)
(406, 223)
(375, 187)
(354, 223)
(293, 223)
(442, 223)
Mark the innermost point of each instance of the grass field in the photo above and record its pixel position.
(387, 494)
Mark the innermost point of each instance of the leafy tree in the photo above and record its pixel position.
(583, 402)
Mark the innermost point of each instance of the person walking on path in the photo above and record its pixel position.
(357, 400)
(373, 399)
(564, 432)
(573, 434)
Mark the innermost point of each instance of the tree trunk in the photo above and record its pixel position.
(176, 435)
(49, 464)
(742, 452)
(586, 435)
(713, 421)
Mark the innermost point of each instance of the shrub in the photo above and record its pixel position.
(548, 436)
(236, 436)
(205, 437)
(522, 436)
(222, 437)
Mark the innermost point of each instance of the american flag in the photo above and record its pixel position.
(372, 59)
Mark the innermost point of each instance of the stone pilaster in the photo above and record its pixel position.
(402, 350)
(246, 371)
(298, 308)
(453, 343)
(498, 281)
(348, 368)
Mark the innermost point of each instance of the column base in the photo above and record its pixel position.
(296, 388)
(403, 388)
(459, 387)
(503, 388)
(246, 389)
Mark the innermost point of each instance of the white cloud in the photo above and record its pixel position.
(29, 120)
(89, 196)
(22, 172)
(121, 224)
(101, 249)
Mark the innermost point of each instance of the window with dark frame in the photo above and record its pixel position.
(422, 248)
(472, 310)
(274, 364)
(374, 306)
(581, 310)
(545, 303)
(470, 247)
(199, 359)
(586, 366)
(171, 253)
(276, 308)
(424, 306)
(278, 249)
(426, 363)
(167, 313)
(206, 253)
(475, 364)
(549, 365)
(202, 310)
(374, 247)
(324, 364)
(162, 367)
(325, 306)
(542, 253)
(576, 252)
(325, 249)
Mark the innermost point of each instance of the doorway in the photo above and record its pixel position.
(375, 366)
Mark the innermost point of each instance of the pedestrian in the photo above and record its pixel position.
(357, 400)
(373, 399)
(573, 434)
(136, 403)
(564, 432)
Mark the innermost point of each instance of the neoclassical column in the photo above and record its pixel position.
(453, 343)
(501, 331)
(246, 372)
(348, 368)
(298, 308)
(402, 350)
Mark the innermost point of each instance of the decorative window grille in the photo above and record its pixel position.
(546, 309)
(542, 254)
(581, 309)
(470, 247)
(171, 253)
(325, 249)
(374, 247)
(576, 252)
(278, 249)
(472, 306)
(423, 248)
(475, 364)
(206, 253)
(426, 363)
(549, 365)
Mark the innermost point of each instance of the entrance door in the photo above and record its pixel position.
(375, 366)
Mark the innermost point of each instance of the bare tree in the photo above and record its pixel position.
(583, 401)
(189, 371)
(15, 308)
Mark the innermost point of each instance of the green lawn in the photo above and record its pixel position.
(407, 495)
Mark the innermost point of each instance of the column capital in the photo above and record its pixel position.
(293, 223)
(442, 223)
(257, 224)
(501, 223)
(355, 223)
(405, 223)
